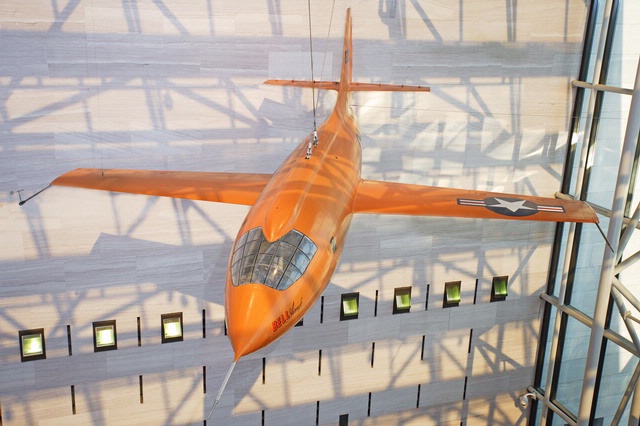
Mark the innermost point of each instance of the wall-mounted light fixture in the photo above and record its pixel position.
(32, 345)
(104, 336)
(451, 294)
(499, 290)
(172, 327)
(349, 306)
(401, 300)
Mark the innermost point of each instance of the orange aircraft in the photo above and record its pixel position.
(289, 244)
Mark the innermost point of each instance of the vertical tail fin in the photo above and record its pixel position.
(345, 84)
(347, 54)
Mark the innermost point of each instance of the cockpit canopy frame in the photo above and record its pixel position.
(276, 264)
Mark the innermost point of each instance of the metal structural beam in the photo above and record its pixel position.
(584, 160)
(634, 414)
(626, 396)
(609, 258)
(626, 293)
(609, 285)
(551, 406)
(583, 318)
(601, 87)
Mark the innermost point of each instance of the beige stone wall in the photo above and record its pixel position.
(177, 85)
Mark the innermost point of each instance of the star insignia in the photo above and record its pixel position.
(507, 206)
(512, 206)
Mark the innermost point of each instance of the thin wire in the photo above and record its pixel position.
(313, 89)
(326, 48)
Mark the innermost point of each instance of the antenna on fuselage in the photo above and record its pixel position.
(224, 385)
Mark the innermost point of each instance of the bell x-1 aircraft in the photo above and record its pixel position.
(291, 240)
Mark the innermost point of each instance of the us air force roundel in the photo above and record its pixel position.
(510, 206)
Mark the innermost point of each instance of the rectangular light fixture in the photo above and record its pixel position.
(104, 336)
(499, 290)
(32, 345)
(401, 300)
(451, 294)
(172, 327)
(349, 306)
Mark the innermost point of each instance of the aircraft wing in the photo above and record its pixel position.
(234, 188)
(397, 198)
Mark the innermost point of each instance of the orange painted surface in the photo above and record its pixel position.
(316, 197)
(233, 188)
(418, 200)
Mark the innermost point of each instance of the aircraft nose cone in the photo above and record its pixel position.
(250, 309)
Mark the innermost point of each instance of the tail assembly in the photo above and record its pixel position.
(345, 84)
(347, 53)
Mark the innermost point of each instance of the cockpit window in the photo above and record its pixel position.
(277, 265)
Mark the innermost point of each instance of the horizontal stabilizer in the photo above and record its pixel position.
(352, 87)
(380, 87)
(233, 188)
(307, 84)
(397, 198)
(346, 84)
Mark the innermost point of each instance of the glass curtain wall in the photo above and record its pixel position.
(599, 126)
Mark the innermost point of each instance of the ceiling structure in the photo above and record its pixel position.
(177, 85)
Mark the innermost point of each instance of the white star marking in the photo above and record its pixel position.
(512, 206)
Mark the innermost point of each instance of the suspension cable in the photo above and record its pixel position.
(313, 89)
(326, 48)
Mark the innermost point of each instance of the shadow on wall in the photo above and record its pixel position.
(189, 100)
(134, 277)
(138, 111)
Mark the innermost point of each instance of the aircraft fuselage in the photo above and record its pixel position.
(314, 197)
